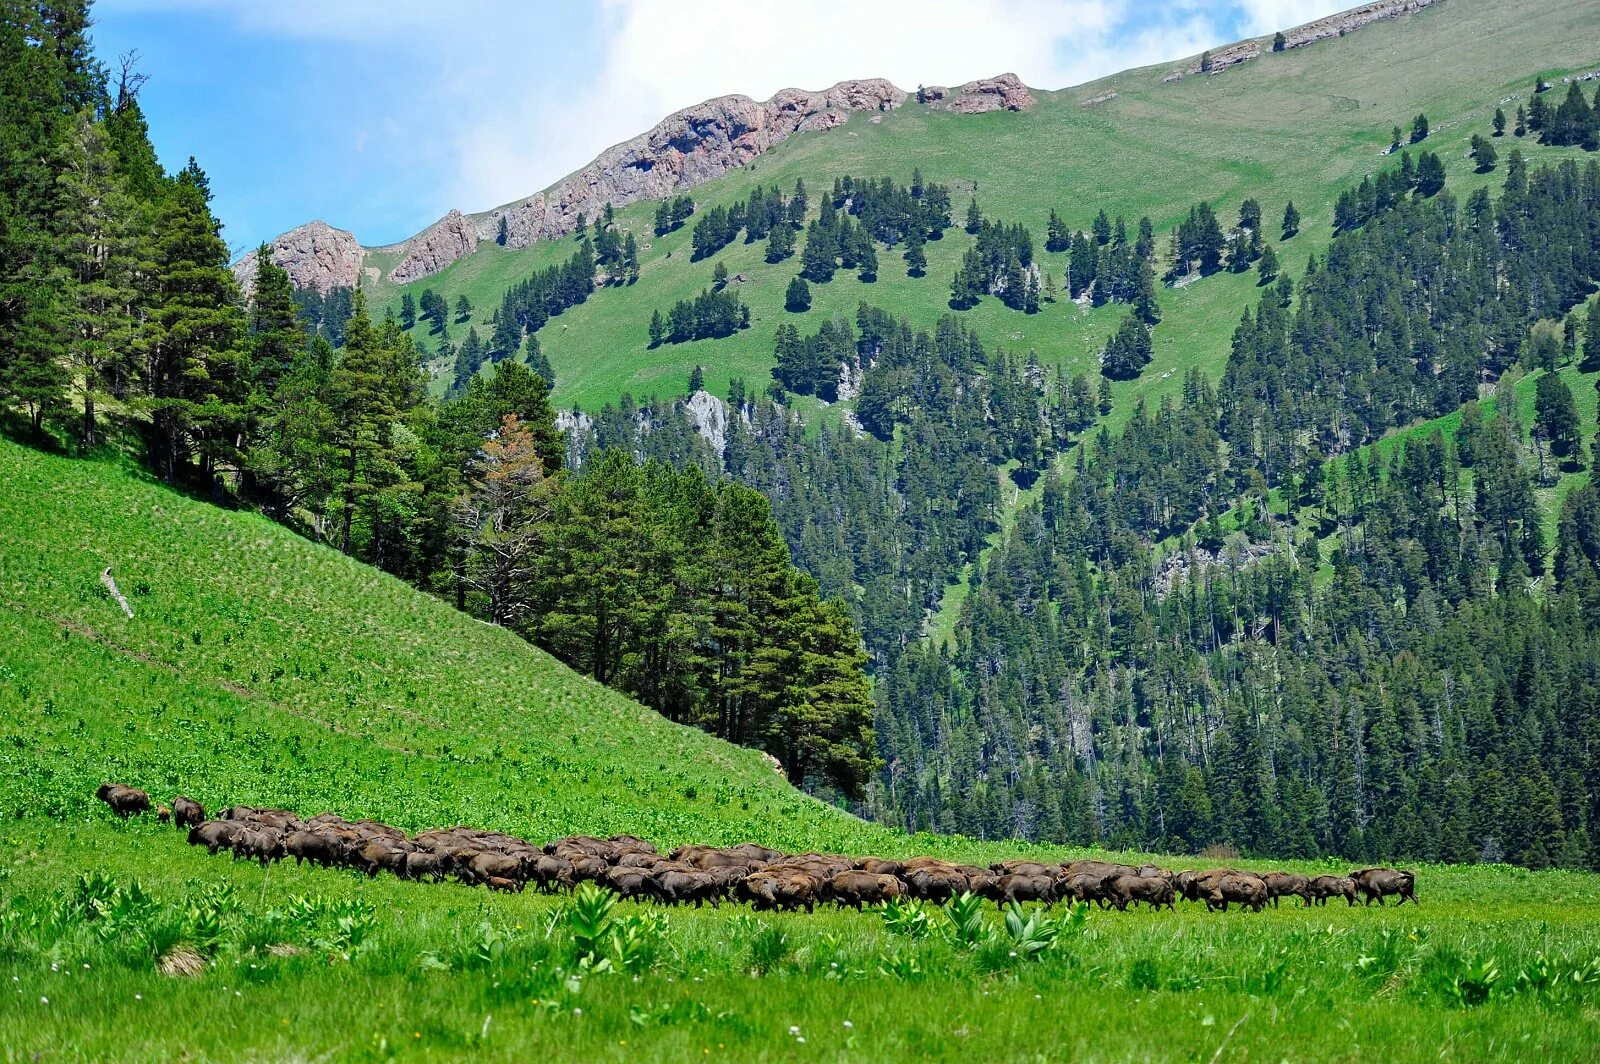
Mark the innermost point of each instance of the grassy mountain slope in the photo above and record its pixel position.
(261, 668)
(1298, 126)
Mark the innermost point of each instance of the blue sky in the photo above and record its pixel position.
(380, 115)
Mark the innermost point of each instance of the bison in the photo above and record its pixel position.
(124, 801)
(1240, 887)
(319, 847)
(551, 872)
(1322, 888)
(787, 890)
(1282, 884)
(680, 886)
(503, 884)
(858, 888)
(1154, 891)
(1087, 886)
(215, 835)
(1021, 886)
(262, 844)
(1375, 884)
(186, 812)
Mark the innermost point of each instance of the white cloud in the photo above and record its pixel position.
(659, 58)
(1267, 16)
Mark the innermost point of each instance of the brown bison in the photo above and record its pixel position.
(1087, 886)
(124, 801)
(484, 865)
(858, 888)
(551, 872)
(503, 885)
(1322, 888)
(1375, 884)
(186, 812)
(1024, 868)
(1194, 884)
(786, 890)
(425, 864)
(215, 835)
(680, 886)
(1019, 887)
(1287, 884)
(937, 883)
(318, 847)
(878, 866)
(261, 844)
(1237, 887)
(163, 814)
(630, 882)
(1154, 891)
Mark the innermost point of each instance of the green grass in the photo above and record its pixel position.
(442, 971)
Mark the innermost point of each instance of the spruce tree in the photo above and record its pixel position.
(658, 329)
(974, 217)
(408, 311)
(534, 358)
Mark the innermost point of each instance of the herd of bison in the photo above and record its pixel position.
(763, 877)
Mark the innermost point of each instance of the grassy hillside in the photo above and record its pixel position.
(1293, 126)
(261, 668)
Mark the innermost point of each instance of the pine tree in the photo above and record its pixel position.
(502, 231)
(365, 397)
(1102, 228)
(463, 308)
(867, 261)
(630, 259)
(501, 520)
(99, 256)
(797, 298)
(658, 329)
(697, 379)
(1267, 267)
(974, 217)
(820, 257)
(1591, 341)
(719, 276)
(916, 257)
(1483, 153)
(408, 311)
(1419, 129)
(1278, 42)
(780, 243)
(1556, 415)
(190, 345)
(1499, 122)
(469, 359)
(534, 358)
(1127, 352)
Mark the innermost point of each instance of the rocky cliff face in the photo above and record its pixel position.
(316, 255)
(436, 247)
(689, 148)
(1323, 28)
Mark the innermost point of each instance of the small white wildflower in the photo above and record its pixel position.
(1013, 953)
(138, 997)
(847, 1024)
(577, 1011)
(794, 1030)
(800, 1039)
(44, 1001)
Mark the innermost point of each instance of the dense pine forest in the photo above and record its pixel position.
(1327, 601)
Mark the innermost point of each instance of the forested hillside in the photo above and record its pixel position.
(1015, 474)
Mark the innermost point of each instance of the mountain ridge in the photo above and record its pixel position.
(698, 144)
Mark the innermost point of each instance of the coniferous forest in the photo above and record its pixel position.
(1268, 614)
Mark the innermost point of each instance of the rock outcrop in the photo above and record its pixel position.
(1321, 29)
(436, 247)
(1003, 93)
(316, 255)
(689, 148)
